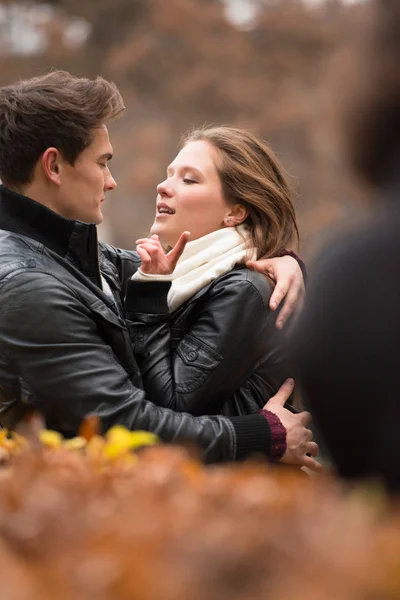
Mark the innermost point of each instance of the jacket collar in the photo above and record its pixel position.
(72, 240)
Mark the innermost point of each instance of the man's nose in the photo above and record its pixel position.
(110, 184)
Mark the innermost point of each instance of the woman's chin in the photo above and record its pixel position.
(156, 229)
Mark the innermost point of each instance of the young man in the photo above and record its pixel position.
(64, 345)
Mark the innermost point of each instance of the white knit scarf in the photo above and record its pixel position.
(202, 261)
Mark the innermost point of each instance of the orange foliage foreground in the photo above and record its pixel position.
(82, 525)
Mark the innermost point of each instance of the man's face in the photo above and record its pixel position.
(84, 185)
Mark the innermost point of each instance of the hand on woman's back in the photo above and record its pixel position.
(300, 448)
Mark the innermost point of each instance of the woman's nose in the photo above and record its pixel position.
(163, 189)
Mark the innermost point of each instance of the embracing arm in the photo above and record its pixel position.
(232, 330)
(197, 376)
(289, 273)
(52, 341)
(127, 262)
(287, 270)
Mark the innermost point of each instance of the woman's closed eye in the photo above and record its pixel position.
(188, 181)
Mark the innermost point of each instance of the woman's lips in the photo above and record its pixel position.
(163, 215)
(163, 207)
(163, 210)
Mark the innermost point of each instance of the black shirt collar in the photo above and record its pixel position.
(71, 239)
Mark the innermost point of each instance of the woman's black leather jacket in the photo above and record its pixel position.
(219, 353)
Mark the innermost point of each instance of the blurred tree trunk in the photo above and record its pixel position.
(112, 23)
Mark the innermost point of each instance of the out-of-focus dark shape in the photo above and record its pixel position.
(347, 342)
(370, 108)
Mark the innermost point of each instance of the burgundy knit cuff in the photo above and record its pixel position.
(278, 434)
(302, 264)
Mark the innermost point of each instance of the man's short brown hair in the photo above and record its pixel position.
(53, 110)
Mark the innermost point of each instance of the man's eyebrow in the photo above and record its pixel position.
(106, 156)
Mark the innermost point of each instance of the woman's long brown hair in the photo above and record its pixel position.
(251, 175)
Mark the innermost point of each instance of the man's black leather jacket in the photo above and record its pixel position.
(64, 343)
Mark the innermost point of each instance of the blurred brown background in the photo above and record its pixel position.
(260, 64)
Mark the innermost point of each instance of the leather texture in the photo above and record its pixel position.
(220, 353)
(64, 344)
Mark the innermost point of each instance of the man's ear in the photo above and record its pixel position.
(237, 214)
(51, 163)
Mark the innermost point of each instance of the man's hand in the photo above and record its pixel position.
(286, 272)
(154, 260)
(298, 438)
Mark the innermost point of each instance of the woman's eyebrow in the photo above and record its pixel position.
(184, 168)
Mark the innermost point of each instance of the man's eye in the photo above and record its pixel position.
(103, 164)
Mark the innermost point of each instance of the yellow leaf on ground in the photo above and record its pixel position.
(49, 438)
(76, 443)
(120, 440)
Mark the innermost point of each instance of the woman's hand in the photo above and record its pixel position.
(154, 260)
(286, 272)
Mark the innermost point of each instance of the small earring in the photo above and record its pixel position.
(228, 220)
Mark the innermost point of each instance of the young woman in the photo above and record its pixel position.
(205, 337)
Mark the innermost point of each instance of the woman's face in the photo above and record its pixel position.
(190, 198)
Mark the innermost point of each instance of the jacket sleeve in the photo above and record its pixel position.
(231, 332)
(126, 262)
(51, 341)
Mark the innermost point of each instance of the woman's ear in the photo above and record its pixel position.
(51, 165)
(237, 214)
